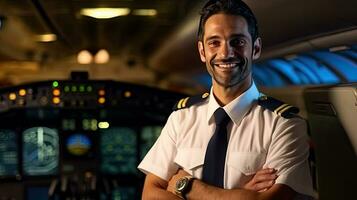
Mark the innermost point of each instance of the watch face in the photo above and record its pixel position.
(181, 184)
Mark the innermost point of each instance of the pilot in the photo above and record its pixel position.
(232, 143)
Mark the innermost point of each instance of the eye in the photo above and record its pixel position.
(238, 42)
(213, 43)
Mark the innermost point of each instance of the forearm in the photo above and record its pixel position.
(158, 194)
(201, 190)
(155, 189)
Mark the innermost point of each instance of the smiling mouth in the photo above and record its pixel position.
(227, 65)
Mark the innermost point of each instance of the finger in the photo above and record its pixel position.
(263, 186)
(266, 171)
(265, 177)
(263, 190)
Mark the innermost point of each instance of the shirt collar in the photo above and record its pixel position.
(237, 108)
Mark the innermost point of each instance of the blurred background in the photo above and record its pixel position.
(86, 87)
(154, 42)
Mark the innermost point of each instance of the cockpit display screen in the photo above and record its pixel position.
(40, 151)
(123, 193)
(78, 144)
(118, 151)
(149, 135)
(8, 153)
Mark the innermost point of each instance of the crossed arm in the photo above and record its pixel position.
(260, 187)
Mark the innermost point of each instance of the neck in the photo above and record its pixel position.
(225, 95)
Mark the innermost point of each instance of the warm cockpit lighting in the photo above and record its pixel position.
(56, 100)
(22, 92)
(101, 92)
(12, 96)
(145, 12)
(101, 100)
(104, 13)
(103, 125)
(46, 37)
(56, 92)
(84, 57)
(127, 94)
(102, 57)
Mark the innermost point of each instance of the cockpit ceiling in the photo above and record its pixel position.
(130, 34)
(151, 49)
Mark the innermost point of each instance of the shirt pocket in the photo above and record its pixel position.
(191, 160)
(246, 162)
(242, 166)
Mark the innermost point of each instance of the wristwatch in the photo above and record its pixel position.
(183, 186)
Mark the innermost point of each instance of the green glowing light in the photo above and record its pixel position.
(89, 89)
(74, 88)
(81, 88)
(66, 88)
(55, 84)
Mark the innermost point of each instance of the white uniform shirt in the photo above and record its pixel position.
(258, 138)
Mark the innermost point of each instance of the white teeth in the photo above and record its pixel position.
(230, 65)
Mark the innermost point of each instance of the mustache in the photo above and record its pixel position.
(239, 60)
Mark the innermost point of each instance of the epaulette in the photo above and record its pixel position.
(278, 107)
(189, 101)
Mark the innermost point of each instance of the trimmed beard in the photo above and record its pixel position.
(237, 77)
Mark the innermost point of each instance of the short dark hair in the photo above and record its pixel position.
(232, 7)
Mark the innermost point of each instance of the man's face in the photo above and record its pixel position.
(227, 49)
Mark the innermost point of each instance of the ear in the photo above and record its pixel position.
(201, 50)
(257, 48)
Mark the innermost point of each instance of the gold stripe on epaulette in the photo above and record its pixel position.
(283, 110)
(184, 102)
(280, 108)
(205, 95)
(179, 105)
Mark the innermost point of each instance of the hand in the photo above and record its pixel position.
(262, 180)
(172, 183)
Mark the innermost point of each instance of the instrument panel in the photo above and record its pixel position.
(78, 139)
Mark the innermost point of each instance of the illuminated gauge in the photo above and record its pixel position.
(74, 88)
(43, 100)
(40, 151)
(22, 92)
(55, 84)
(148, 135)
(78, 144)
(66, 88)
(82, 88)
(56, 92)
(118, 150)
(103, 125)
(101, 92)
(89, 88)
(8, 153)
(127, 94)
(101, 100)
(56, 100)
(12, 96)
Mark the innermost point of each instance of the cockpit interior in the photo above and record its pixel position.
(83, 97)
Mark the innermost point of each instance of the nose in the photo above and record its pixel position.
(226, 50)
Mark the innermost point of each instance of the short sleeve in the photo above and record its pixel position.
(160, 158)
(288, 153)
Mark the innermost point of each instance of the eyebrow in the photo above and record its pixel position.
(237, 35)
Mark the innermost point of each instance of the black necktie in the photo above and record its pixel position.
(213, 168)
